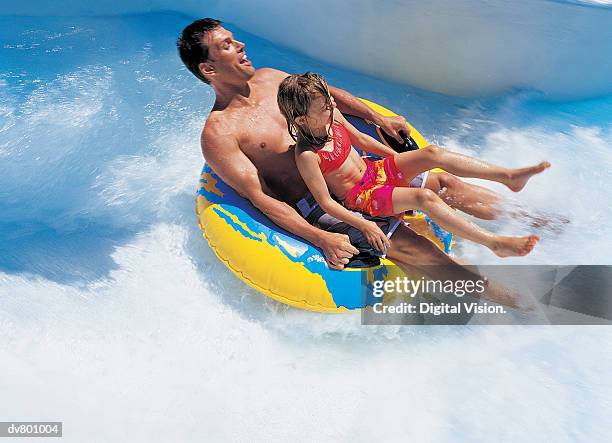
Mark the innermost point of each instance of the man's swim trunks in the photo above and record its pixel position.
(373, 194)
(367, 256)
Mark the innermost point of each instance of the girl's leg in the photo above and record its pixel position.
(405, 199)
(414, 162)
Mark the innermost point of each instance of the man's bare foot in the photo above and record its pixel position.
(514, 246)
(552, 222)
(518, 177)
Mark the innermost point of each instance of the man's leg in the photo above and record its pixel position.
(471, 199)
(409, 249)
(415, 254)
(486, 204)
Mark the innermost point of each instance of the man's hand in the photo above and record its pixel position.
(393, 125)
(348, 104)
(337, 249)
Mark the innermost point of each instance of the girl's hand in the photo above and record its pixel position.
(375, 236)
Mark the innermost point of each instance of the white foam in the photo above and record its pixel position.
(153, 352)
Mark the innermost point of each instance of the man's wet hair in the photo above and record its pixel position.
(192, 47)
(295, 96)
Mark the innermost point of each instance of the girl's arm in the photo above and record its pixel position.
(364, 141)
(308, 165)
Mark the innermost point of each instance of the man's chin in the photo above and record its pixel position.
(249, 70)
(247, 76)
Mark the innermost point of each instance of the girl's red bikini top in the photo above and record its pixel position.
(331, 160)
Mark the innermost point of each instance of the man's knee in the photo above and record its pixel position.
(449, 181)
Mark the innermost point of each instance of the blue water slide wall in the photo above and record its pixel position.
(562, 48)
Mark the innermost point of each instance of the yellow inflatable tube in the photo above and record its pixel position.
(283, 266)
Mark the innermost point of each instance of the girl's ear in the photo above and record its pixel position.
(301, 120)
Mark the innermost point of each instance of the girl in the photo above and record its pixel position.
(327, 161)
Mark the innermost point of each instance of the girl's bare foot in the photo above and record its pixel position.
(518, 177)
(513, 246)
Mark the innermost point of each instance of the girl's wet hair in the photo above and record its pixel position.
(295, 96)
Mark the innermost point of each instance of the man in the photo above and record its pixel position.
(246, 142)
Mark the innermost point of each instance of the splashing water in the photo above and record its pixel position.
(116, 318)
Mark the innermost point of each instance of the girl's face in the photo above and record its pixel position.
(320, 113)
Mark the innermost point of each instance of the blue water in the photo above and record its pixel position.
(116, 318)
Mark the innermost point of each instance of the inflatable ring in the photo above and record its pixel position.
(282, 265)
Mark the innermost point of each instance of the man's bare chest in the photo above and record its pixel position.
(263, 135)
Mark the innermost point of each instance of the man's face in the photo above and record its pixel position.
(226, 58)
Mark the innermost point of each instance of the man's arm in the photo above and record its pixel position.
(364, 141)
(225, 157)
(349, 104)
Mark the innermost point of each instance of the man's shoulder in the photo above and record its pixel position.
(215, 121)
(216, 131)
(268, 73)
(215, 124)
